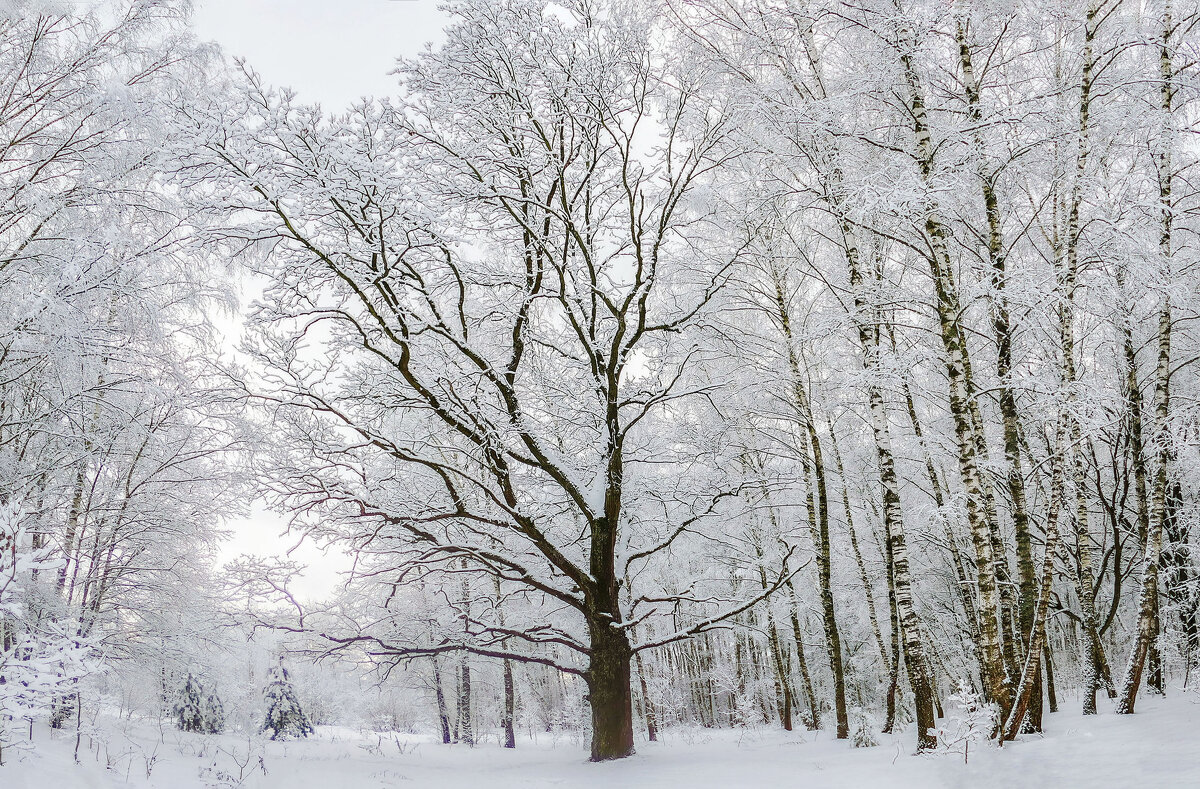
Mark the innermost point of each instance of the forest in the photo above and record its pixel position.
(658, 377)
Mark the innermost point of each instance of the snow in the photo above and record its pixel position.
(1157, 747)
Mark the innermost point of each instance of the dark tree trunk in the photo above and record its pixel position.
(510, 703)
(610, 695)
(1051, 696)
(647, 704)
(443, 715)
(1033, 718)
(466, 729)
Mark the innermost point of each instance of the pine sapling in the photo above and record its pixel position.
(284, 719)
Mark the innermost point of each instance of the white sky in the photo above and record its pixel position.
(332, 52)
(329, 51)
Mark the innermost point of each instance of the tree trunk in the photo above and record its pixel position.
(443, 714)
(1090, 658)
(610, 694)
(1048, 663)
(814, 717)
(1028, 685)
(858, 557)
(818, 510)
(893, 518)
(647, 704)
(1002, 329)
(783, 689)
(980, 500)
(965, 594)
(510, 695)
(466, 727)
(1148, 604)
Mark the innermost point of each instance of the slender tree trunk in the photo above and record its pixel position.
(980, 500)
(1067, 274)
(1002, 329)
(814, 712)
(783, 690)
(1090, 659)
(443, 714)
(858, 557)
(73, 535)
(893, 519)
(1148, 603)
(965, 593)
(1182, 586)
(818, 510)
(647, 703)
(510, 694)
(907, 628)
(466, 726)
(1048, 663)
(1028, 686)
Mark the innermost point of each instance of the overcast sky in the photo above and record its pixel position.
(332, 52)
(329, 51)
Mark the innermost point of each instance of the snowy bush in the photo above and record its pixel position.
(972, 724)
(39, 661)
(863, 734)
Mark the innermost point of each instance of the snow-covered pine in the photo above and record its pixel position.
(212, 713)
(187, 710)
(284, 719)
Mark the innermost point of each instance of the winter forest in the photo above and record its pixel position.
(720, 393)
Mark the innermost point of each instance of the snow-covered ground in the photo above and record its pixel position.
(1159, 748)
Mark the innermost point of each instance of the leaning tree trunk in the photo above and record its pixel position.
(907, 629)
(980, 501)
(1068, 272)
(1002, 329)
(1029, 685)
(1148, 608)
(818, 510)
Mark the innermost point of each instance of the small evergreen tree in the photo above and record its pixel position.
(188, 708)
(973, 724)
(213, 712)
(284, 718)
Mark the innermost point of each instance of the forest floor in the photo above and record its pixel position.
(1159, 748)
